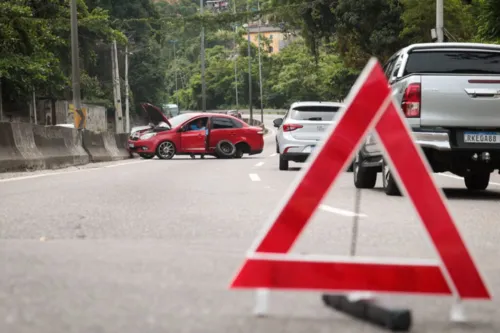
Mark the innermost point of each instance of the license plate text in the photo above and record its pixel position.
(481, 137)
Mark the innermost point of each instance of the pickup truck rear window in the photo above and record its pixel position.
(314, 113)
(453, 62)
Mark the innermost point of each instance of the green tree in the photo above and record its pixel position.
(419, 18)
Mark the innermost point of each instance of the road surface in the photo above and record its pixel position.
(151, 246)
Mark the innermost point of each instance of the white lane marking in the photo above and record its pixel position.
(68, 172)
(339, 211)
(254, 177)
(461, 178)
(272, 155)
(126, 163)
(259, 164)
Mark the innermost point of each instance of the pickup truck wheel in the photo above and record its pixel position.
(477, 181)
(363, 177)
(283, 163)
(351, 167)
(388, 182)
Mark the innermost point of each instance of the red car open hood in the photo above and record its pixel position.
(154, 114)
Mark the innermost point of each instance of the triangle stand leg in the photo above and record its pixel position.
(457, 313)
(261, 302)
(363, 305)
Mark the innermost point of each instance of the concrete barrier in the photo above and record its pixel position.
(94, 145)
(24, 147)
(18, 150)
(60, 147)
(115, 151)
(122, 144)
(103, 147)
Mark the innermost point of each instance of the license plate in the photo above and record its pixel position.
(481, 137)
(131, 145)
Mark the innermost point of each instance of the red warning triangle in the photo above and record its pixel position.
(371, 107)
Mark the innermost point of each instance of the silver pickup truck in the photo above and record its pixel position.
(450, 96)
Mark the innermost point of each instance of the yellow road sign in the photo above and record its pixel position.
(79, 117)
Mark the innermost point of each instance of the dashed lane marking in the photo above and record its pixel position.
(339, 211)
(254, 177)
(259, 164)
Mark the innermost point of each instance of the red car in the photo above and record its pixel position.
(213, 134)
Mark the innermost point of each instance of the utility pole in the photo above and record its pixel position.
(249, 69)
(260, 70)
(127, 103)
(440, 20)
(33, 100)
(202, 56)
(1, 101)
(235, 60)
(175, 64)
(116, 89)
(75, 58)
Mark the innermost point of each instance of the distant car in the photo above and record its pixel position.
(223, 136)
(300, 130)
(234, 113)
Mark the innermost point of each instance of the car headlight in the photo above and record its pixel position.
(147, 136)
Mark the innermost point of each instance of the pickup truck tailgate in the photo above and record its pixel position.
(460, 101)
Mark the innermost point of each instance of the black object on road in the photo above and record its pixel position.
(396, 320)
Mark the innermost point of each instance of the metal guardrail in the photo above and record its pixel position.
(256, 112)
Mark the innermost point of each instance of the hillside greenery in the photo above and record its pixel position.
(336, 39)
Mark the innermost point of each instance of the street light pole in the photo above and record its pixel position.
(75, 62)
(260, 70)
(249, 69)
(118, 97)
(235, 60)
(440, 20)
(175, 70)
(202, 56)
(1, 101)
(127, 103)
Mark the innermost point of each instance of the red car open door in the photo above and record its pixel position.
(194, 140)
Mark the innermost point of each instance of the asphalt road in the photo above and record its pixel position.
(151, 246)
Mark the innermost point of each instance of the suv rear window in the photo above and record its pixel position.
(456, 62)
(314, 113)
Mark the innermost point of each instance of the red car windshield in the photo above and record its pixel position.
(178, 120)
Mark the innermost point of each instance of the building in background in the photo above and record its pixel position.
(276, 37)
(217, 5)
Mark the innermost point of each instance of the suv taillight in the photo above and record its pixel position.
(291, 127)
(411, 101)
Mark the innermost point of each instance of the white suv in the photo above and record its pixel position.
(302, 127)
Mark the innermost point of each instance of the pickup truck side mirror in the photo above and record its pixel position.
(278, 122)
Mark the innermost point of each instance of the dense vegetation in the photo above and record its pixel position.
(338, 37)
